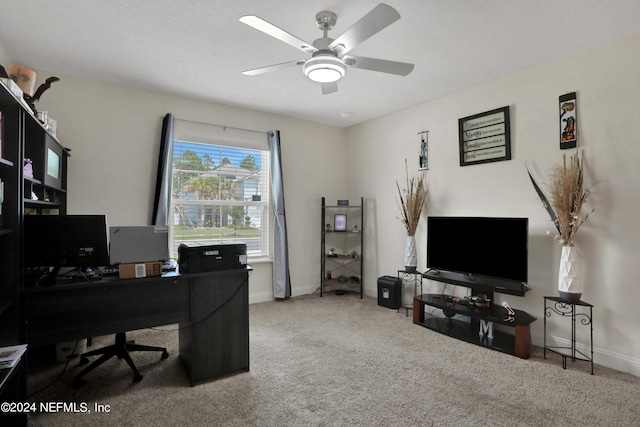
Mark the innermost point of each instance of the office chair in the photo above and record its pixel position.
(121, 350)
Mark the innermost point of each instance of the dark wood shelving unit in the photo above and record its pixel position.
(22, 136)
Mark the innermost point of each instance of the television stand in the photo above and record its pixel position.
(478, 284)
(476, 325)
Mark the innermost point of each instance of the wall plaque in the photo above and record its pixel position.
(568, 121)
(485, 137)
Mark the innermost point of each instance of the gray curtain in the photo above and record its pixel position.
(281, 277)
(162, 200)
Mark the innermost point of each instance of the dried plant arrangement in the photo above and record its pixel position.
(412, 200)
(568, 194)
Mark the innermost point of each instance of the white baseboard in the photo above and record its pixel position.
(601, 356)
(259, 297)
(255, 298)
(305, 290)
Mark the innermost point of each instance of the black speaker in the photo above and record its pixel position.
(390, 292)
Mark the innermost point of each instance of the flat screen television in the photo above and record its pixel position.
(55, 241)
(495, 248)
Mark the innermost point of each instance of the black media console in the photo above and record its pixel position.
(475, 324)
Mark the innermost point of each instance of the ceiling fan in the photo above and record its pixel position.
(329, 57)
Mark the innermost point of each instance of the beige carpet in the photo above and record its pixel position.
(343, 361)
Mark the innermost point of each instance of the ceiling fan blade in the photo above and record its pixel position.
(379, 18)
(268, 69)
(328, 88)
(273, 31)
(381, 65)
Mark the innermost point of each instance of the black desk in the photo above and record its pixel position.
(212, 310)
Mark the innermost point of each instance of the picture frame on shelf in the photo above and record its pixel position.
(485, 137)
(340, 222)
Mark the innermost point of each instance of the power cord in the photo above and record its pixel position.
(64, 368)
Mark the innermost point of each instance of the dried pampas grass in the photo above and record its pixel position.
(412, 200)
(568, 194)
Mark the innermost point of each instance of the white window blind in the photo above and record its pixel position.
(220, 188)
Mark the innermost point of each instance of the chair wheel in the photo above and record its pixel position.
(165, 354)
(137, 378)
(83, 361)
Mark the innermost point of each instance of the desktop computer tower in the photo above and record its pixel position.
(390, 292)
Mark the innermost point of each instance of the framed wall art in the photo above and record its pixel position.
(424, 150)
(340, 222)
(568, 121)
(485, 137)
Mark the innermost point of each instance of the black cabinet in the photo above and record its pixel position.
(342, 247)
(215, 342)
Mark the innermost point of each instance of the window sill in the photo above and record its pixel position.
(259, 260)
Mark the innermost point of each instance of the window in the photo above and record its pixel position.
(220, 194)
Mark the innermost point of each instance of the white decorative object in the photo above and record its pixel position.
(27, 168)
(568, 195)
(411, 255)
(569, 282)
(13, 87)
(24, 77)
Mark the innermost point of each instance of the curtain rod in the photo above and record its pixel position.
(224, 127)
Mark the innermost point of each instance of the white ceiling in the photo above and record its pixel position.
(198, 48)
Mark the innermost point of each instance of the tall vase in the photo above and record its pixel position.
(569, 282)
(410, 255)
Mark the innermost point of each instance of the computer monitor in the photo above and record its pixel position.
(55, 241)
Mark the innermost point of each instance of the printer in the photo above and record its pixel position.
(199, 259)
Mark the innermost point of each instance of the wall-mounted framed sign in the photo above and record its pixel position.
(568, 121)
(485, 137)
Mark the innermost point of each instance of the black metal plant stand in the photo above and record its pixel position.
(415, 278)
(569, 309)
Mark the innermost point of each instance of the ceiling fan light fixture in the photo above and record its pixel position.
(324, 69)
